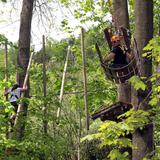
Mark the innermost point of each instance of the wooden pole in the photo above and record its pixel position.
(84, 78)
(79, 134)
(62, 84)
(20, 109)
(45, 123)
(6, 66)
(6, 79)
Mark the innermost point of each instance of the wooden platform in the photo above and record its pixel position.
(112, 112)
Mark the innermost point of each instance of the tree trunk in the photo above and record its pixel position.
(143, 139)
(120, 13)
(23, 55)
(121, 18)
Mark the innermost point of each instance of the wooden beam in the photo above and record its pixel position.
(45, 122)
(84, 78)
(62, 84)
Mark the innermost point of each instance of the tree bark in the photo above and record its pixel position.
(121, 19)
(23, 55)
(120, 13)
(143, 139)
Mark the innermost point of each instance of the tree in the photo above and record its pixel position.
(120, 13)
(121, 18)
(23, 57)
(143, 139)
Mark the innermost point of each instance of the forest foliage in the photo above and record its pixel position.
(105, 139)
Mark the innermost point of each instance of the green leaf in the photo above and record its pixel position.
(154, 101)
(116, 155)
(137, 83)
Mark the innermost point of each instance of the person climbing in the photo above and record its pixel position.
(117, 55)
(15, 93)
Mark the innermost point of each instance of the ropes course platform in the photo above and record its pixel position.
(121, 73)
(112, 112)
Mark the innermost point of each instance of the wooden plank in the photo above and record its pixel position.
(85, 79)
(112, 112)
(99, 53)
(45, 122)
(108, 35)
(62, 84)
(107, 71)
